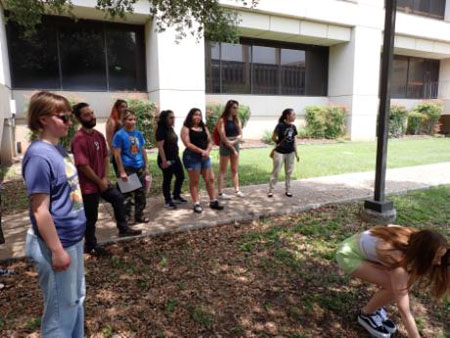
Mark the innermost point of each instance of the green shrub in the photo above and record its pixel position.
(213, 112)
(431, 112)
(145, 118)
(66, 140)
(335, 122)
(267, 137)
(414, 123)
(397, 121)
(325, 122)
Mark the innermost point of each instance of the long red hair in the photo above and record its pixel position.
(115, 113)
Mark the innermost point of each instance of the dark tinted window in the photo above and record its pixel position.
(433, 8)
(81, 55)
(414, 78)
(293, 72)
(266, 75)
(235, 62)
(212, 71)
(266, 67)
(34, 61)
(126, 69)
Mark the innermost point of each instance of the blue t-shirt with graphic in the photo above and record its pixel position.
(130, 144)
(47, 169)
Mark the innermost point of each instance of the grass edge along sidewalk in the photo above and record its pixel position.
(271, 277)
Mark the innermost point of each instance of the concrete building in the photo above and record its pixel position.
(292, 53)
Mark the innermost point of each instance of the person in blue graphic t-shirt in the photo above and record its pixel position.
(131, 158)
(55, 240)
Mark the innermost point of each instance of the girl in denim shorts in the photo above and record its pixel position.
(196, 160)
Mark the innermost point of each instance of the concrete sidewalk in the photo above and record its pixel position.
(308, 194)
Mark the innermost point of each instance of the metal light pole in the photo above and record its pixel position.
(379, 204)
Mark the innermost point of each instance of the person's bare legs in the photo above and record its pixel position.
(222, 171)
(234, 159)
(208, 176)
(194, 177)
(370, 272)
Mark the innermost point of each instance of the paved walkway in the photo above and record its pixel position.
(308, 194)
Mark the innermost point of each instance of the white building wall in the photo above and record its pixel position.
(6, 123)
(176, 74)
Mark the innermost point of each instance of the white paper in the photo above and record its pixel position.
(132, 184)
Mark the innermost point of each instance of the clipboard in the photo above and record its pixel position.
(132, 184)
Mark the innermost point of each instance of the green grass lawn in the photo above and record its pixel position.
(274, 277)
(316, 160)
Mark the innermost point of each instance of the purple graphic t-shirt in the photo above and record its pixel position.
(47, 169)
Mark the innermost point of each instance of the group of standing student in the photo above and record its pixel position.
(393, 258)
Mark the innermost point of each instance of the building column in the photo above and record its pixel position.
(444, 84)
(6, 121)
(354, 80)
(175, 72)
(447, 11)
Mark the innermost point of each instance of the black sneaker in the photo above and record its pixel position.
(179, 200)
(198, 208)
(97, 251)
(387, 323)
(129, 232)
(170, 205)
(215, 205)
(373, 324)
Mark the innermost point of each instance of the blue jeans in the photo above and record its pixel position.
(63, 292)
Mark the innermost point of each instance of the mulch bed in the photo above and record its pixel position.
(237, 280)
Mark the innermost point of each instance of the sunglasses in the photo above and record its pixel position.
(66, 118)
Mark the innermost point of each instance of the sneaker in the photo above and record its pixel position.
(239, 193)
(373, 324)
(170, 205)
(388, 324)
(179, 200)
(97, 251)
(224, 196)
(215, 205)
(198, 208)
(129, 232)
(141, 220)
(288, 194)
(270, 194)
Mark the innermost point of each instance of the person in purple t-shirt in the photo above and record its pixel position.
(55, 241)
(92, 161)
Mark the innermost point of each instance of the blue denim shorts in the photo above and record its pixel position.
(193, 161)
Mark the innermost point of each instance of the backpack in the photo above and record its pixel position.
(216, 135)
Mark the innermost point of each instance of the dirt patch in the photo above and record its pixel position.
(274, 277)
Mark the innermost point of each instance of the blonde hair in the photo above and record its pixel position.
(44, 104)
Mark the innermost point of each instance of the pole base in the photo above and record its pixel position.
(381, 213)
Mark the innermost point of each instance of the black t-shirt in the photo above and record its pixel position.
(170, 142)
(286, 136)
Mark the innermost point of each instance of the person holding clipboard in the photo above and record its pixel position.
(131, 157)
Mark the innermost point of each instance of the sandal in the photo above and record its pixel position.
(288, 194)
(270, 194)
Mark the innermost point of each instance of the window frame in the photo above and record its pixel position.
(278, 45)
(104, 27)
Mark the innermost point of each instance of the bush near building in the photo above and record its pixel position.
(424, 118)
(145, 119)
(324, 122)
(398, 121)
(214, 110)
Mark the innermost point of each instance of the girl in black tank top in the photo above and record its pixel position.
(196, 159)
(230, 135)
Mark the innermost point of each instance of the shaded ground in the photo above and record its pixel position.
(274, 277)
